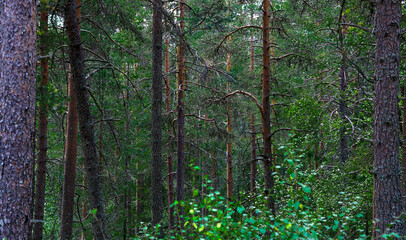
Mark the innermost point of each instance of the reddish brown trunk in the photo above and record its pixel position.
(70, 165)
(387, 199)
(68, 194)
(266, 119)
(42, 130)
(85, 121)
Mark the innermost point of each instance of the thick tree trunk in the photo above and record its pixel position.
(387, 205)
(68, 194)
(17, 115)
(180, 188)
(266, 107)
(85, 122)
(403, 163)
(156, 132)
(42, 130)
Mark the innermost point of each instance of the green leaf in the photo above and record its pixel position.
(240, 209)
(201, 228)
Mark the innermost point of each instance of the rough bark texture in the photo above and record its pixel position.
(68, 194)
(387, 205)
(403, 163)
(156, 132)
(180, 188)
(85, 122)
(253, 155)
(17, 115)
(266, 107)
(42, 130)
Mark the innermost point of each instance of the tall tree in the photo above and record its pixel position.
(17, 114)
(387, 204)
(171, 194)
(68, 194)
(156, 132)
(343, 87)
(85, 121)
(266, 107)
(180, 188)
(42, 127)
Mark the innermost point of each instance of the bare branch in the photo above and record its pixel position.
(254, 99)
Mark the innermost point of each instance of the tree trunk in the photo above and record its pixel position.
(229, 142)
(229, 159)
(266, 107)
(387, 204)
(343, 89)
(17, 115)
(171, 194)
(42, 130)
(180, 188)
(85, 121)
(253, 155)
(68, 194)
(156, 132)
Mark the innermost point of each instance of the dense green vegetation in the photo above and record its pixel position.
(321, 90)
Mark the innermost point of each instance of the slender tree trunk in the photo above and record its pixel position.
(68, 195)
(17, 115)
(253, 135)
(387, 204)
(343, 89)
(266, 107)
(156, 132)
(171, 194)
(180, 188)
(85, 122)
(42, 130)
(229, 159)
(253, 155)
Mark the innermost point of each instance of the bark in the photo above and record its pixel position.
(387, 204)
(156, 132)
(343, 89)
(68, 194)
(85, 122)
(403, 163)
(180, 188)
(266, 107)
(42, 130)
(253, 155)
(171, 193)
(229, 160)
(17, 115)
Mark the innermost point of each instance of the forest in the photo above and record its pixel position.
(202, 119)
